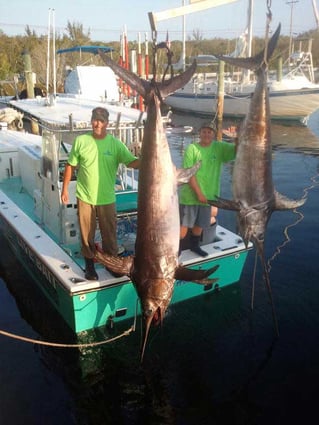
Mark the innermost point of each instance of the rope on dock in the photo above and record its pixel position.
(56, 344)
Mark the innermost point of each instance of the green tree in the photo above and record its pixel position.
(76, 33)
(11, 48)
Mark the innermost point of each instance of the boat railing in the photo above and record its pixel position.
(301, 65)
(233, 83)
(300, 60)
(55, 150)
(130, 133)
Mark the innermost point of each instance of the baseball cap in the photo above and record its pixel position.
(208, 125)
(100, 114)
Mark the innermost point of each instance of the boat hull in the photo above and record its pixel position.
(294, 105)
(90, 307)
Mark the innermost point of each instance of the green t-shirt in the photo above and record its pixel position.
(98, 161)
(208, 175)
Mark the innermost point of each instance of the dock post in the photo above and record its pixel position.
(279, 69)
(30, 85)
(220, 100)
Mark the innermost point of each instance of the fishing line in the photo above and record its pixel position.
(254, 280)
(60, 345)
(306, 191)
(35, 341)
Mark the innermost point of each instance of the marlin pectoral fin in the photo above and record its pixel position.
(184, 174)
(284, 203)
(225, 204)
(197, 276)
(120, 265)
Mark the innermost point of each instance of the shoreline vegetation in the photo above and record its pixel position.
(13, 48)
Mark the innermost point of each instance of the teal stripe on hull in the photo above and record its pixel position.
(120, 302)
(229, 271)
(95, 309)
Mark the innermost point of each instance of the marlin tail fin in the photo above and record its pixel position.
(142, 86)
(254, 62)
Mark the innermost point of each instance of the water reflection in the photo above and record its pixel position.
(108, 385)
(302, 139)
(214, 361)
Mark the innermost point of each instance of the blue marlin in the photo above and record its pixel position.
(154, 267)
(254, 195)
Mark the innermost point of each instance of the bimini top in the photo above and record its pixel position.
(86, 49)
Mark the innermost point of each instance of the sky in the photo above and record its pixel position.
(107, 19)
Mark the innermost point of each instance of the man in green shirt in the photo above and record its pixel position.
(97, 156)
(195, 213)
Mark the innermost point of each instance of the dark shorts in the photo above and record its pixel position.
(195, 215)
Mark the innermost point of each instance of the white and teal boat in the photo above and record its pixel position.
(44, 234)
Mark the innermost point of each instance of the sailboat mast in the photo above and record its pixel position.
(48, 54)
(250, 27)
(315, 11)
(53, 53)
(184, 41)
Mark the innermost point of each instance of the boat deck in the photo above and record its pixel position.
(18, 207)
(13, 188)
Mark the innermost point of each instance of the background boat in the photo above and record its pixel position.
(91, 82)
(293, 93)
(71, 115)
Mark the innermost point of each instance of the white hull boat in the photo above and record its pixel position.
(295, 105)
(293, 93)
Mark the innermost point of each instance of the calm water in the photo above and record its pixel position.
(215, 361)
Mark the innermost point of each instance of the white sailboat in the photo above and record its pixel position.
(293, 96)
